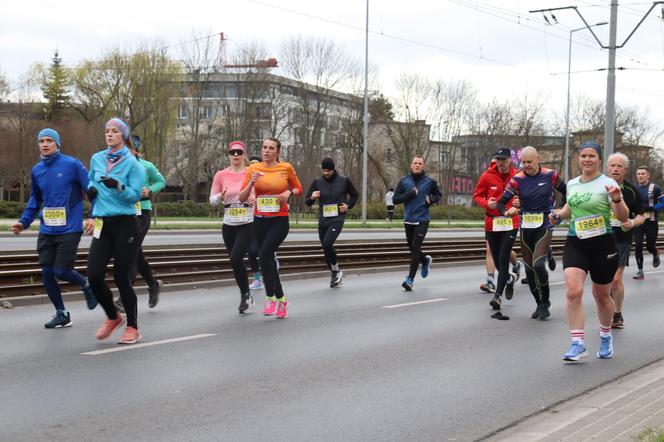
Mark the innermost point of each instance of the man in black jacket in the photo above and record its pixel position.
(330, 190)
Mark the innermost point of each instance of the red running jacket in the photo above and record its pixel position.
(492, 184)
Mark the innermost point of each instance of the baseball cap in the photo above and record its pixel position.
(502, 153)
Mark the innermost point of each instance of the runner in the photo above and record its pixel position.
(389, 203)
(418, 192)
(534, 185)
(590, 247)
(273, 183)
(490, 285)
(650, 193)
(116, 183)
(238, 228)
(617, 166)
(500, 230)
(154, 182)
(257, 283)
(58, 183)
(330, 191)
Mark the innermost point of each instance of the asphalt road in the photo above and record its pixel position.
(341, 367)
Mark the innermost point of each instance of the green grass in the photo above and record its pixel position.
(651, 435)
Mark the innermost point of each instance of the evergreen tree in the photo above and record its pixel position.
(55, 87)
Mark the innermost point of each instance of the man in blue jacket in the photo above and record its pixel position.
(417, 192)
(58, 184)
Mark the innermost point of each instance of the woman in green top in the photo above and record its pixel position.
(590, 247)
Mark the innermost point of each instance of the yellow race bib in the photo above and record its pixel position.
(268, 204)
(236, 213)
(139, 210)
(532, 220)
(330, 210)
(99, 224)
(54, 216)
(502, 224)
(590, 226)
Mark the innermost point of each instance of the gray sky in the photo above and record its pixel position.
(507, 50)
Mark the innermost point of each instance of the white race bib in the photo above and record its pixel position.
(532, 220)
(330, 210)
(268, 203)
(236, 213)
(55, 216)
(99, 224)
(590, 226)
(615, 222)
(502, 224)
(139, 210)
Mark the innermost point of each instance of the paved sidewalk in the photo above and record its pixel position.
(617, 411)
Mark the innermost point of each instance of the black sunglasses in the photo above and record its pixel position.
(235, 152)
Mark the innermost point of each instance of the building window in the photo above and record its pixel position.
(183, 112)
(205, 112)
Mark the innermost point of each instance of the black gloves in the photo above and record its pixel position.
(92, 193)
(112, 183)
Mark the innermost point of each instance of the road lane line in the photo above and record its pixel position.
(407, 304)
(147, 344)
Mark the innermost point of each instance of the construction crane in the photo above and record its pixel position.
(258, 64)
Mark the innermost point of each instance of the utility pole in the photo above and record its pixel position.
(365, 153)
(609, 123)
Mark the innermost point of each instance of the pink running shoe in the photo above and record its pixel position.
(270, 306)
(130, 336)
(109, 326)
(282, 310)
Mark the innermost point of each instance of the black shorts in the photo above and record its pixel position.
(58, 251)
(624, 247)
(390, 208)
(597, 256)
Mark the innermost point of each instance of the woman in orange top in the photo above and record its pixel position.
(273, 183)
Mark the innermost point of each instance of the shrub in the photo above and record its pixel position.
(185, 208)
(11, 209)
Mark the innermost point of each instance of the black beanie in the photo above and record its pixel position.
(327, 163)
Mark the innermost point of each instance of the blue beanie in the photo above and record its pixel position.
(119, 124)
(48, 132)
(592, 145)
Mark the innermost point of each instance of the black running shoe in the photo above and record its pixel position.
(153, 293)
(516, 269)
(509, 288)
(60, 319)
(488, 287)
(495, 302)
(535, 314)
(543, 312)
(246, 303)
(552, 263)
(337, 278)
(655, 260)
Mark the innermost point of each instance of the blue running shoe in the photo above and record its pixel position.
(605, 348)
(576, 352)
(425, 267)
(89, 296)
(408, 284)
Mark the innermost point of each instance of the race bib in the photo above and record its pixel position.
(137, 206)
(99, 224)
(590, 226)
(55, 216)
(330, 210)
(650, 215)
(532, 220)
(615, 222)
(268, 204)
(236, 213)
(502, 224)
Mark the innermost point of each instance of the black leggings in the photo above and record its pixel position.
(650, 229)
(142, 265)
(253, 256)
(328, 231)
(535, 246)
(270, 233)
(415, 234)
(118, 240)
(237, 240)
(500, 244)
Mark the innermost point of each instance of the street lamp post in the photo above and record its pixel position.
(566, 172)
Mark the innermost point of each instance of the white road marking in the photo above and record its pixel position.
(147, 344)
(407, 304)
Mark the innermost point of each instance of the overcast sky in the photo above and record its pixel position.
(496, 44)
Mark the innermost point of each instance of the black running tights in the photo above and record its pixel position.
(270, 233)
(535, 244)
(415, 234)
(649, 229)
(237, 240)
(142, 265)
(328, 231)
(501, 244)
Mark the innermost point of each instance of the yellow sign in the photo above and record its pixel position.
(54, 216)
(590, 226)
(330, 210)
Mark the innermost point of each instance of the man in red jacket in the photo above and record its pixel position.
(500, 230)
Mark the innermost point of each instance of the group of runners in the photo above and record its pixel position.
(603, 209)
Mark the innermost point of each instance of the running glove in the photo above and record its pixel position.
(92, 193)
(112, 184)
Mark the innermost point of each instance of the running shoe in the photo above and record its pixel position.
(516, 269)
(118, 305)
(109, 326)
(535, 314)
(488, 287)
(524, 280)
(655, 259)
(605, 348)
(576, 351)
(639, 275)
(153, 294)
(543, 312)
(131, 335)
(552, 263)
(60, 319)
(89, 296)
(408, 284)
(246, 303)
(337, 278)
(282, 309)
(256, 284)
(425, 267)
(618, 321)
(495, 302)
(509, 288)
(270, 306)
